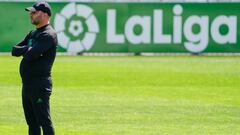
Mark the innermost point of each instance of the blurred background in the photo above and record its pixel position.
(164, 90)
(131, 26)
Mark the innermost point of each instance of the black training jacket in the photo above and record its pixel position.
(38, 49)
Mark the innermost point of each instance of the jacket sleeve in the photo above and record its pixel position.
(19, 50)
(21, 47)
(40, 46)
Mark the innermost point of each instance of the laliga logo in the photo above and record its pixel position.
(76, 27)
(153, 33)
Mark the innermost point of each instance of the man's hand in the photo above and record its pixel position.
(29, 48)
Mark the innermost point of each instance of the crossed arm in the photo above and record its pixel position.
(30, 53)
(21, 47)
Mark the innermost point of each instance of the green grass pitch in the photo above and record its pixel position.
(167, 95)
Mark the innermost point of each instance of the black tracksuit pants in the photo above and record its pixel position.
(35, 100)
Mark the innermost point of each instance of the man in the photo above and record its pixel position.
(38, 50)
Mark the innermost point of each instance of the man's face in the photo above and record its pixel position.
(36, 17)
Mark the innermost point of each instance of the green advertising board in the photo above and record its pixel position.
(131, 27)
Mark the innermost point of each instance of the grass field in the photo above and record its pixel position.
(167, 95)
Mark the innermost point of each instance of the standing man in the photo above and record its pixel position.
(38, 49)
